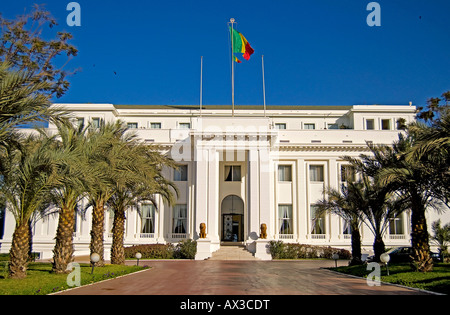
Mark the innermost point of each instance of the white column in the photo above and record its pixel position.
(303, 207)
(212, 222)
(334, 229)
(266, 189)
(253, 195)
(201, 191)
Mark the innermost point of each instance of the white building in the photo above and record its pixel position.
(239, 172)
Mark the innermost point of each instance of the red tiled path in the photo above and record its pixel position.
(237, 278)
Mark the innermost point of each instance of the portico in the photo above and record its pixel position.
(233, 179)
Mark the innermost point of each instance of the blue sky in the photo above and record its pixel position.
(316, 52)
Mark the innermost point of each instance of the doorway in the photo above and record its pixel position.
(232, 210)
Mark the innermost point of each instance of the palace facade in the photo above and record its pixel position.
(237, 172)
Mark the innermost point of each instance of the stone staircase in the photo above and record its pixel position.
(232, 252)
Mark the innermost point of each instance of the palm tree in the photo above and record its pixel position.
(412, 182)
(344, 204)
(441, 237)
(432, 148)
(29, 174)
(107, 154)
(69, 141)
(22, 101)
(142, 182)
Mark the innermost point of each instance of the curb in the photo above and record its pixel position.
(86, 285)
(385, 283)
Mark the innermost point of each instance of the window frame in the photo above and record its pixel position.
(181, 175)
(153, 124)
(151, 218)
(282, 230)
(321, 177)
(278, 125)
(176, 227)
(232, 173)
(282, 173)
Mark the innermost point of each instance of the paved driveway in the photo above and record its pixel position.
(237, 278)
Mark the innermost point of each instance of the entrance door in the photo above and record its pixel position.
(232, 219)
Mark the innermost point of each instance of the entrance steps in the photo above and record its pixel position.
(232, 252)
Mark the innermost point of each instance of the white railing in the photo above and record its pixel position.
(147, 235)
(178, 235)
(286, 236)
(397, 237)
(318, 236)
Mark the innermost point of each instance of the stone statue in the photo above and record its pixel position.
(263, 234)
(202, 230)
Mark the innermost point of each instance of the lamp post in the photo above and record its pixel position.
(335, 256)
(95, 258)
(385, 258)
(138, 256)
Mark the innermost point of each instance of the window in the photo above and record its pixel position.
(333, 126)
(2, 222)
(396, 225)
(179, 219)
(316, 173)
(347, 173)
(148, 218)
(347, 228)
(80, 122)
(232, 173)
(370, 124)
(110, 221)
(386, 124)
(285, 173)
(155, 125)
(317, 222)
(285, 219)
(95, 122)
(132, 125)
(185, 126)
(309, 126)
(280, 126)
(180, 175)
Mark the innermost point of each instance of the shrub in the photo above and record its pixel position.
(276, 249)
(186, 249)
(183, 250)
(280, 250)
(151, 251)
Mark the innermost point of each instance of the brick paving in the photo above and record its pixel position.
(228, 277)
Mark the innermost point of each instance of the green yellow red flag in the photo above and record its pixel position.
(240, 45)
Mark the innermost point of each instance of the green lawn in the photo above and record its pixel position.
(40, 280)
(437, 280)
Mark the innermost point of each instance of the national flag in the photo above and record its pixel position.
(240, 44)
(237, 60)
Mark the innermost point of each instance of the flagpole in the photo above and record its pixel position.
(264, 84)
(232, 21)
(201, 84)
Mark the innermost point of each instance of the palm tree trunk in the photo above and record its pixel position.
(19, 251)
(422, 260)
(378, 247)
(356, 247)
(117, 249)
(97, 232)
(63, 251)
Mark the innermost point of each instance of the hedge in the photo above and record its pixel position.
(183, 250)
(281, 250)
